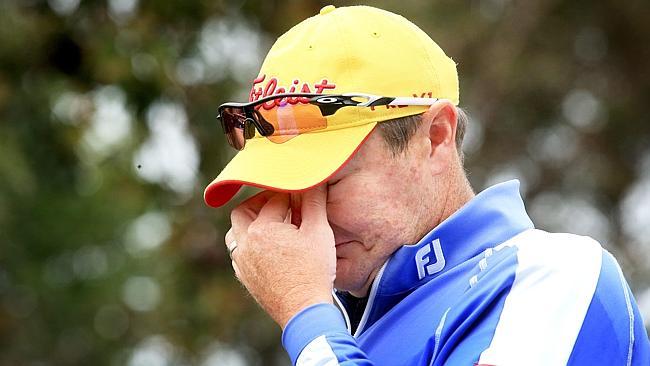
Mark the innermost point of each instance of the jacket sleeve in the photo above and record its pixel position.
(318, 336)
(612, 332)
(569, 304)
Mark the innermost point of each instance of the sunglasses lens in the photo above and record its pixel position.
(279, 120)
(234, 126)
(290, 117)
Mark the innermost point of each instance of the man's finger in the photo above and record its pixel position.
(241, 220)
(254, 204)
(296, 203)
(314, 206)
(275, 210)
(288, 220)
(236, 269)
(244, 214)
(229, 236)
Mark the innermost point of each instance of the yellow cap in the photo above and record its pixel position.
(340, 50)
(327, 9)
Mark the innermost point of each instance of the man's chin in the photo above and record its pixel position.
(342, 282)
(345, 281)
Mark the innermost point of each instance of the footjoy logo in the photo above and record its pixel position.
(422, 259)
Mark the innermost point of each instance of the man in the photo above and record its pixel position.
(352, 129)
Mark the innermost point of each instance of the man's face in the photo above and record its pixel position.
(374, 205)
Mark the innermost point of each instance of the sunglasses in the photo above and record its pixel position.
(282, 117)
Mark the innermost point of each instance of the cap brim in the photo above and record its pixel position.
(303, 162)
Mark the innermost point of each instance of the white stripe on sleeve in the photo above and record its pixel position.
(317, 353)
(555, 280)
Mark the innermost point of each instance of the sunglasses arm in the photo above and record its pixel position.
(329, 104)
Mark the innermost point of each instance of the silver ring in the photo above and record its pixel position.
(231, 248)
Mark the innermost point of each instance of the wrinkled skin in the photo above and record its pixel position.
(340, 233)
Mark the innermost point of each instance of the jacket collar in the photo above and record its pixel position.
(490, 218)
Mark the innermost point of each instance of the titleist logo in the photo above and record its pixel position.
(270, 87)
(262, 89)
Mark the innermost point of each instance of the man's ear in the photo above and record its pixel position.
(439, 126)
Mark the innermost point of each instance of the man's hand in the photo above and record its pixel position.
(285, 267)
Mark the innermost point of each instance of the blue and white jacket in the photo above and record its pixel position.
(484, 288)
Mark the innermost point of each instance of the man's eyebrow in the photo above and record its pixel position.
(344, 172)
(333, 181)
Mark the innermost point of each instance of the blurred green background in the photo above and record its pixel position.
(108, 255)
